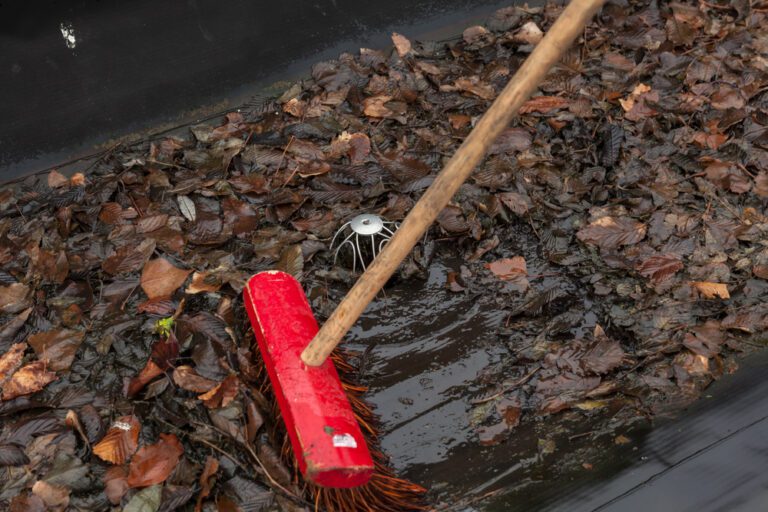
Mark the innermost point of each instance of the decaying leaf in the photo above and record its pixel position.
(160, 278)
(512, 270)
(146, 500)
(223, 394)
(120, 442)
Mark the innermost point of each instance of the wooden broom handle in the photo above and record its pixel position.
(549, 50)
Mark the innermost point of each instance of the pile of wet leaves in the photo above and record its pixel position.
(640, 167)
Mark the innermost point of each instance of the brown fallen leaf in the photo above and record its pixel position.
(508, 268)
(529, 33)
(543, 104)
(474, 85)
(188, 379)
(453, 284)
(223, 394)
(57, 347)
(153, 464)
(517, 203)
(359, 148)
(14, 298)
(610, 232)
(56, 179)
(383, 106)
(635, 105)
(56, 497)
(711, 290)
(710, 140)
(120, 442)
(761, 184)
(159, 306)
(160, 278)
(127, 258)
(402, 44)
(705, 340)
(512, 270)
(459, 121)
(27, 503)
(510, 141)
(115, 483)
(660, 268)
(207, 480)
(629, 102)
(728, 177)
(29, 379)
(603, 355)
(202, 282)
(147, 374)
(11, 360)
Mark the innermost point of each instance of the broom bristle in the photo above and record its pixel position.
(385, 492)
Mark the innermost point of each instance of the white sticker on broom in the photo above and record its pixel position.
(344, 441)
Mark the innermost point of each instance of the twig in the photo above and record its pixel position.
(282, 157)
(255, 457)
(518, 382)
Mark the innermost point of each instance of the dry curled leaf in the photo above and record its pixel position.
(11, 360)
(529, 33)
(207, 480)
(56, 179)
(160, 278)
(120, 442)
(402, 44)
(223, 394)
(711, 290)
(29, 379)
(153, 464)
(202, 282)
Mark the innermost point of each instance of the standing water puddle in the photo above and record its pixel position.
(429, 353)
